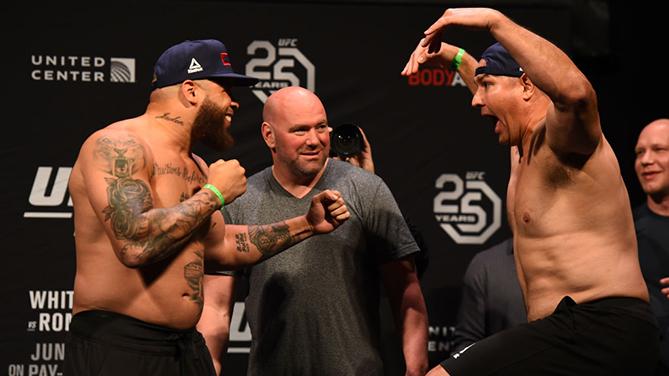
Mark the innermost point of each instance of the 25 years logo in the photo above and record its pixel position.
(278, 66)
(468, 210)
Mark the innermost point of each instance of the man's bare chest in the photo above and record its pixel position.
(175, 181)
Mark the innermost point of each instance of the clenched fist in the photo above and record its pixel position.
(228, 177)
(327, 212)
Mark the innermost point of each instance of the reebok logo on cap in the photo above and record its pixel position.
(194, 66)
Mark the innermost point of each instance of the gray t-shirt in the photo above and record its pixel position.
(314, 309)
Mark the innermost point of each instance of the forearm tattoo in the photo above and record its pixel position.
(193, 272)
(270, 239)
(151, 236)
(242, 244)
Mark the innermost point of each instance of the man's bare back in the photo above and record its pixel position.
(573, 232)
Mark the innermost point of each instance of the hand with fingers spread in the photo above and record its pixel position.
(327, 212)
(441, 58)
(446, 56)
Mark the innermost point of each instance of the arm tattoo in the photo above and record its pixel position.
(270, 238)
(128, 197)
(242, 244)
(152, 234)
(193, 272)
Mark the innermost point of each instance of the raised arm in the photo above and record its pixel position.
(443, 57)
(572, 123)
(231, 246)
(116, 170)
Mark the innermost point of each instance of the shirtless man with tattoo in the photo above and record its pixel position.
(574, 242)
(147, 220)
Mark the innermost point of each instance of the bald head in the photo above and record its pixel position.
(652, 162)
(290, 100)
(295, 128)
(659, 125)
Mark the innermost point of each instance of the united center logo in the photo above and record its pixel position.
(122, 69)
(463, 208)
(73, 68)
(278, 66)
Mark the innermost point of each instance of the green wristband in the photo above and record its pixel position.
(218, 194)
(457, 60)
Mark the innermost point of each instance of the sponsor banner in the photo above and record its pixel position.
(72, 68)
(468, 210)
(47, 320)
(278, 65)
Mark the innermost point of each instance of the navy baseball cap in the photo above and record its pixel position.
(196, 60)
(499, 62)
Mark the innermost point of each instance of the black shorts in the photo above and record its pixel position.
(612, 336)
(110, 344)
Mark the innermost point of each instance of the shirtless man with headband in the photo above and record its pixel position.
(574, 241)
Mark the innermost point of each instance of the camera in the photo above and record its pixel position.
(346, 140)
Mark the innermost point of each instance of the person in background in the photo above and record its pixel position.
(652, 224)
(315, 311)
(491, 297)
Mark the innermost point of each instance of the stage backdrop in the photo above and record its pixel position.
(75, 70)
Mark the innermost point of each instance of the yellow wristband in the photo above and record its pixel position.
(218, 194)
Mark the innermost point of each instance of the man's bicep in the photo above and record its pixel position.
(116, 178)
(573, 129)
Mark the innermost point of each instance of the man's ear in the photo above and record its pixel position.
(191, 92)
(268, 134)
(528, 87)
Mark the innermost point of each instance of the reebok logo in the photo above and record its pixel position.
(194, 66)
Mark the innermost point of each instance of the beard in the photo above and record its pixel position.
(209, 127)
